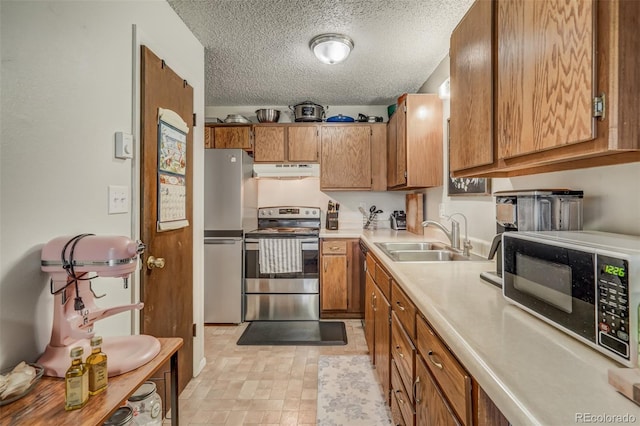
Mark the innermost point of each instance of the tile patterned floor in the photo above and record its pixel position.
(264, 385)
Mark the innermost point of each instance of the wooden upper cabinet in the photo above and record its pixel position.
(208, 137)
(303, 144)
(232, 137)
(471, 72)
(392, 149)
(269, 144)
(556, 65)
(345, 158)
(417, 160)
(546, 74)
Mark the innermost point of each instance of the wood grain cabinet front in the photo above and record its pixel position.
(290, 143)
(232, 136)
(414, 156)
(341, 280)
(547, 86)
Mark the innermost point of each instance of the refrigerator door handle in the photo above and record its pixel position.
(220, 241)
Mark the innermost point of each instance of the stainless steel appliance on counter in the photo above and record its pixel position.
(585, 283)
(230, 206)
(282, 279)
(532, 210)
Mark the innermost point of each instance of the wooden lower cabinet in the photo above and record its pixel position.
(401, 397)
(431, 406)
(341, 279)
(382, 340)
(369, 315)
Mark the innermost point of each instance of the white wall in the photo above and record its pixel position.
(67, 87)
(611, 198)
(306, 192)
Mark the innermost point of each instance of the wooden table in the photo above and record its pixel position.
(44, 405)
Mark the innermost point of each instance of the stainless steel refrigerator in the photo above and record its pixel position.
(230, 209)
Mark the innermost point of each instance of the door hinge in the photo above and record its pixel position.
(194, 120)
(194, 330)
(599, 107)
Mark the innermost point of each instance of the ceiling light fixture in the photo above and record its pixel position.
(331, 48)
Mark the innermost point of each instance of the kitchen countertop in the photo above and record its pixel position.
(533, 372)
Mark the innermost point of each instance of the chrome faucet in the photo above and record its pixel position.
(454, 234)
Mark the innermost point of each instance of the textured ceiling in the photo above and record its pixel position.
(257, 51)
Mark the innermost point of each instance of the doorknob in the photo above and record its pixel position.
(155, 262)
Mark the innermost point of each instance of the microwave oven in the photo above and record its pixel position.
(585, 283)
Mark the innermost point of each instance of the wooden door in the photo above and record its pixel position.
(355, 281)
(334, 282)
(431, 407)
(546, 69)
(303, 144)
(423, 141)
(167, 293)
(233, 137)
(346, 158)
(401, 145)
(382, 341)
(369, 314)
(471, 64)
(268, 144)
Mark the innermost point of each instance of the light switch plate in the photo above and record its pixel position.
(118, 199)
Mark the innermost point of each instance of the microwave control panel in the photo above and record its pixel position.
(613, 304)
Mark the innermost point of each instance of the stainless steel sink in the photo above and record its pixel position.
(424, 252)
(387, 247)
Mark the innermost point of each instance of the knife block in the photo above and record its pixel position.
(332, 221)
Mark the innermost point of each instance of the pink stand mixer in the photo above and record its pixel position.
(72, 262)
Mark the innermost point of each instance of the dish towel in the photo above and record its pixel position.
(280, 255)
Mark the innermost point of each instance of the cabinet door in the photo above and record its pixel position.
(392, 148)
(431, 407)
(401, 145)
(334, 283)
(346, 158)
(471, 64)
(369, 315)
(208, 137)
(233, 137)
(303, 144)
(546, 67)
(269, 144)
(382, 341)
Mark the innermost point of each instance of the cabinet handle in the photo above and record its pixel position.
(399, 396)
(334, 248)
(415, 390)
(373, 301)
(431, 358)
(402, 308)
(325, 266)
(398, 350)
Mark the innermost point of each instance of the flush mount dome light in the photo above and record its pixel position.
(331, 48)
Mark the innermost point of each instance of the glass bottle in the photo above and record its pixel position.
(97, 365)
(76, 382)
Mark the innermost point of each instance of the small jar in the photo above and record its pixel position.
(122, 417)
(146, 405)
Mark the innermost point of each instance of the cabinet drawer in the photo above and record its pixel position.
(334, 247)
(384, 281)
(400, 396)
(404, 308)
(452, 378)
(371, 265)
(403, 352)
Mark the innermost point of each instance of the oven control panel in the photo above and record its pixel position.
(288, 212)
(613, 304)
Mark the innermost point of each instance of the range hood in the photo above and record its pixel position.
(286, 171)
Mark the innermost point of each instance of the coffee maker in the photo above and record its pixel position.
(532, 210)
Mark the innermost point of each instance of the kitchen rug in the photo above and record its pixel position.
(348, 393)
(298, 333)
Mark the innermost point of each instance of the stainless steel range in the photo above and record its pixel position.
(282, 279)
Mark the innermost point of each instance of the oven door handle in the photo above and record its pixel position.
(306, 246)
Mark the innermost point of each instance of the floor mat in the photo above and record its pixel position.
(348, 393)
(300, 333)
